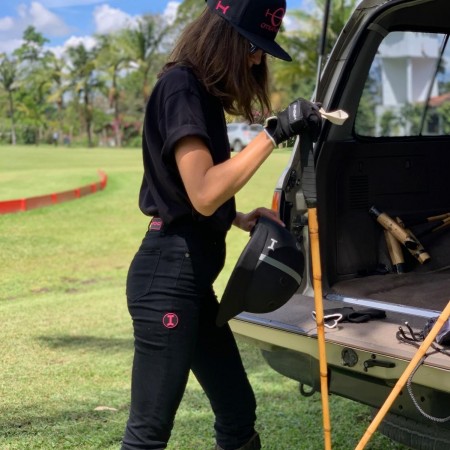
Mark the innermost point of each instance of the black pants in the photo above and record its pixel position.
(173, 307)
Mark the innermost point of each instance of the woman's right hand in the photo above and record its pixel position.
(299, 117)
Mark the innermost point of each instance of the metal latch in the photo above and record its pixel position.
(373, 362)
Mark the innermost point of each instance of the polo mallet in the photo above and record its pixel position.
(445, 224)
(318, 302)
(309, 189)
(393, 227)
(437, 225)
(439, 218)
(395, 252)
(404, 377)
(419, 253)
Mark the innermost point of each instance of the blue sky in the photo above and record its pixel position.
(66, 22)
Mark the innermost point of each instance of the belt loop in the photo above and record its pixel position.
(156, 224)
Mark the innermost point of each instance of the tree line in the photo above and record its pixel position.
(97, 96)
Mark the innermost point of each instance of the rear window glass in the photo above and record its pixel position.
(407, 92)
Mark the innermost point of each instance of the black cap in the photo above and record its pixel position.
(266, 275)
(257, 20)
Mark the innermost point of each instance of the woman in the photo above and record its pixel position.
(188, 187)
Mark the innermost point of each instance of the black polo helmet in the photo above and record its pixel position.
(266, 275)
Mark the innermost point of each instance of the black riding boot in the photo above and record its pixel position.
(253, 444)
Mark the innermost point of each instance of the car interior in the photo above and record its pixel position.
(396, 161)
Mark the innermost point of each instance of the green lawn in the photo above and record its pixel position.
(66, 337)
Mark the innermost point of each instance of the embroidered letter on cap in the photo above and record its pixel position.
(224, 9)
(276, 18)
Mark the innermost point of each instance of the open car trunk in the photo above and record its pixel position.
(393, 153)
(406, 180)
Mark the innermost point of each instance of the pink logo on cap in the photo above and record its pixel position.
(170, 320)
(277, 16)
(223, 8)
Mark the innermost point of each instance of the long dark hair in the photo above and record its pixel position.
(219, 56)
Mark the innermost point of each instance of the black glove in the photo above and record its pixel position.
(348, 314)
(299, 117)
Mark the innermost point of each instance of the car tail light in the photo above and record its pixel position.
(276, 199)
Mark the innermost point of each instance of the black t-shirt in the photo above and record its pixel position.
(180, 106)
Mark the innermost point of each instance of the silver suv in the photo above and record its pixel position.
(390, 71)
(241, 133)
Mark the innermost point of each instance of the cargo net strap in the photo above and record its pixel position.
(415, 339)
(414, 400)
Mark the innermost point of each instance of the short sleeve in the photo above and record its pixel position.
(182, 115)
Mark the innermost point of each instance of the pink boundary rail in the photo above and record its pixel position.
(25, 204)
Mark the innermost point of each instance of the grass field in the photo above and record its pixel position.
(66, 337)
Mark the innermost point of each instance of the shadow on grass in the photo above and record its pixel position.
(81, 427)
(91, 343)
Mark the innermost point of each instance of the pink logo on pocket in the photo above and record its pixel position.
(170, 320)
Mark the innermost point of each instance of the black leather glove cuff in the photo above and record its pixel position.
(273, 131)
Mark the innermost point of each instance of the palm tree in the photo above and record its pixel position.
(299, 77)
(188, 11)
(32, 48)
(84, 81)
(55, 69)
(34, 64)
(33, 107)
(142, 45)
(8, 80)
(111, 59)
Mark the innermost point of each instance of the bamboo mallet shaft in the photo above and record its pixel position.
(395, 252)
(440, 217)
(318, 303)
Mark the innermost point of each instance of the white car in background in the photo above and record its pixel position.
(241, 133)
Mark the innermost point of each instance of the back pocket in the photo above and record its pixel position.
(141, 274)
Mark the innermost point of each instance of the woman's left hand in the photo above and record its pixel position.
(247, 221)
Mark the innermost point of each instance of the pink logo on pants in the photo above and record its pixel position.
(170, 320)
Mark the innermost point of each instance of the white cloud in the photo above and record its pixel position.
(109, 19)
(45, 21)
(68, 3)
(6, 23)
(170, 13)
(74, 41)
(58, 50)
(8, 46)
(35, 15)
